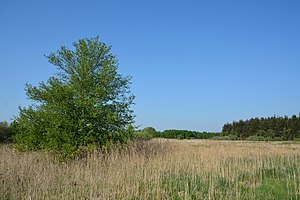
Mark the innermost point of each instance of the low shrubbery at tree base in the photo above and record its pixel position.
(5, 132)
(271, 128)
(145, 134)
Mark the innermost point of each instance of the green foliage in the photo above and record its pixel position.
(5, 132)
(180, 137)
(226, 137)
(184, 134)
(86, 102)
(256, 138)
(150, 132)
(284, 128)
(146, 133)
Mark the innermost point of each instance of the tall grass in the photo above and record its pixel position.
(157, 169)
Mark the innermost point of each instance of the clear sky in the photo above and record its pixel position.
(195, 64)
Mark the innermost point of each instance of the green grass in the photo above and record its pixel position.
(266, 183)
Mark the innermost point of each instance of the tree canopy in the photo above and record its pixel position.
(86, 102)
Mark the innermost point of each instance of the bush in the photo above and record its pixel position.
(297, 139)
(268, 138)
(180, 137)
(145, 134)
(226, 137)
(278, 139)
(256, 138)
(5, 133)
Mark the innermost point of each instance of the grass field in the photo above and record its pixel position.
(158, 169)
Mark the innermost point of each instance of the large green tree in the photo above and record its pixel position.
(86, 102)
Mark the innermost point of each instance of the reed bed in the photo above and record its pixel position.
(157, 169)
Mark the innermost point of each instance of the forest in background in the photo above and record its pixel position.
(273, 128)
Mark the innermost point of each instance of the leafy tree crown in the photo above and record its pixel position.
(86, 102)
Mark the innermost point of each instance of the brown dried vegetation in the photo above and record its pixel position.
(157, 169)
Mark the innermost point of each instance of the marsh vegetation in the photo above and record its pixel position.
(157, 169)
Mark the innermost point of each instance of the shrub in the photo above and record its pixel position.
(256, 138)
(269, 138)
(145, 134)
(297, 139)
(180, 137)
(226, 137)
(5, 132)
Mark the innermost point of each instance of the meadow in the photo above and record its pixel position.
(157, 169)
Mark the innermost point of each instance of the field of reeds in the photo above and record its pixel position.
(157, 169)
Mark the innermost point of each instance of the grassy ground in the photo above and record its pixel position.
(159, 169)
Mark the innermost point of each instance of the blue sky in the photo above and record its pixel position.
(195, 64)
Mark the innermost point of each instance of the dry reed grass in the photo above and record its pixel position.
(157, 169)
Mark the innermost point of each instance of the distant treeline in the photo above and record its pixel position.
(150, 132)
(185, 134)
(281, 128)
